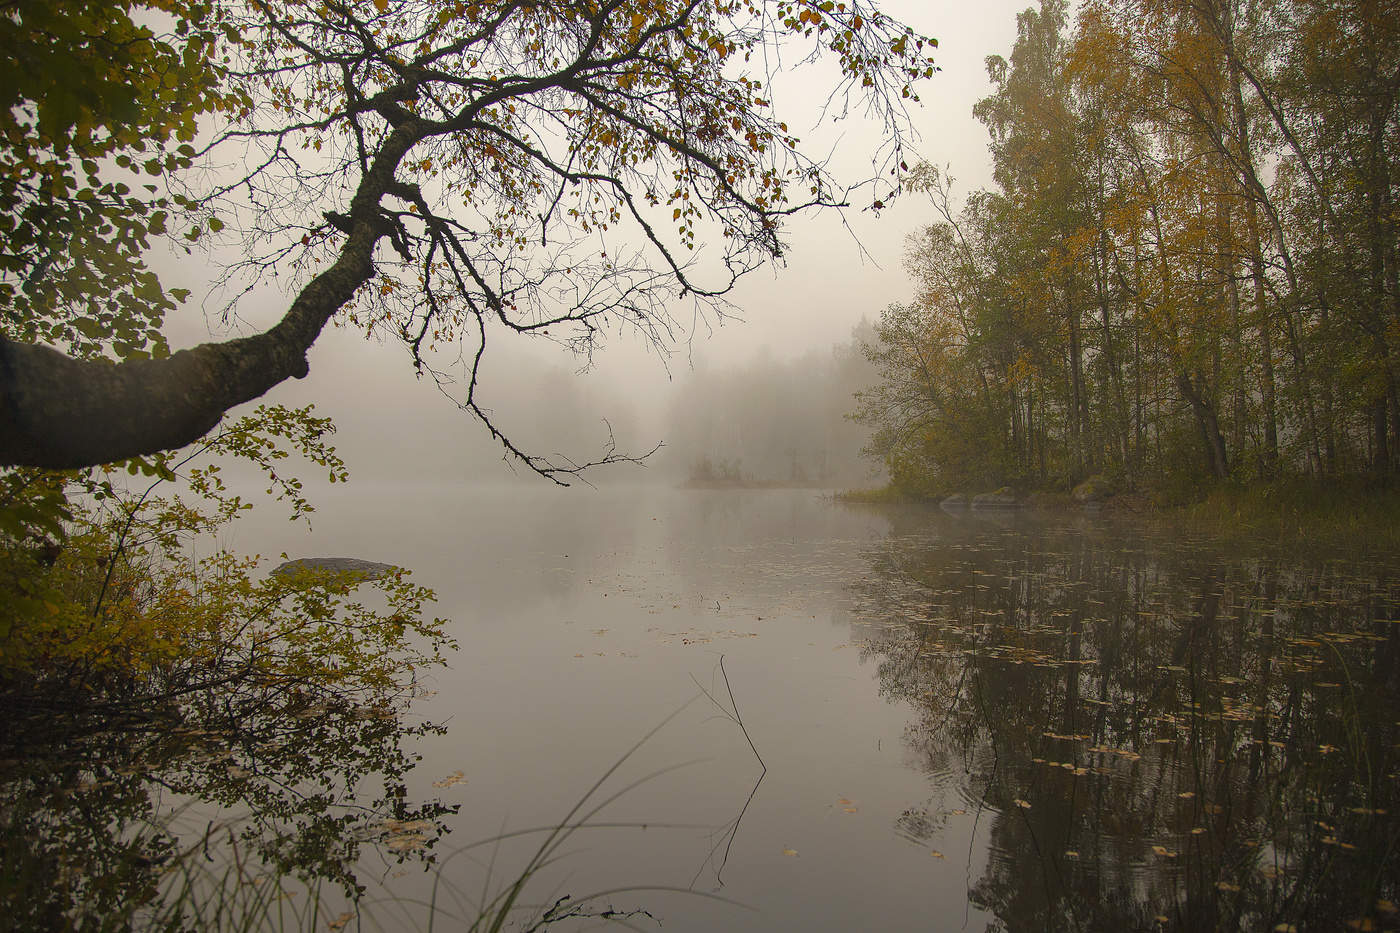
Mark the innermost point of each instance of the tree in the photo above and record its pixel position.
(1193, 268)
(436, 171)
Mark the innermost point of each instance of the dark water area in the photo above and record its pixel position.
(944, 722)
(1164, 733)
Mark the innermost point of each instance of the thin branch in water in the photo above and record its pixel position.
(732, 714)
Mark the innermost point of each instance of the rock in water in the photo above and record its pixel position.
(1003, 498)
(361, 569)
(1093, 490)
(958, 500)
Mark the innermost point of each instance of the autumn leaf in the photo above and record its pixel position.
(452, 779)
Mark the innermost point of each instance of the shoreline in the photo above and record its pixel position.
(1348, 515)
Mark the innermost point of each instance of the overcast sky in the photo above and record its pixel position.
(392, 425)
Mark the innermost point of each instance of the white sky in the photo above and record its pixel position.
(826, 286)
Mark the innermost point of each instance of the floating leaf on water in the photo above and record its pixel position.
(1286, 928)
(789, 851)
(1071, 853)
(455, 777)
(1187, 794)
(1164, 852)
(1226, 886)
(1385, 906)
(936, 854)
(1023, 804)
(406, 843)
(1362, 923)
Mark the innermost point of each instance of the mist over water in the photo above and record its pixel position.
(967, 721)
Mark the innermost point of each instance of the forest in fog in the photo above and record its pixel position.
(1186, 270)
(772, 421)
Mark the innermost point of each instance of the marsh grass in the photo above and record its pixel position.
(878, 495)
(217, 880)
(1350, 516)
(506, 907)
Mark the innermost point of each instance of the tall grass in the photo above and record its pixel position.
(1352, 516)
(217, 883)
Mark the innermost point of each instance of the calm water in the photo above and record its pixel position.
(958, 722)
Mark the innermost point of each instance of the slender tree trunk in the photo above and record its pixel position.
(1077, 419)
(1380, 431)
(1111, 363)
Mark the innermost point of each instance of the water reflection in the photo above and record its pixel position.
(1156, 734)
(207, 812)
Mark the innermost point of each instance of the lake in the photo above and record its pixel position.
(971, 721)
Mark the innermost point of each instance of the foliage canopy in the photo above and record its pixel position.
(439, 173)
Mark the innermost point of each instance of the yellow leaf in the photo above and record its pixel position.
(455, 777)
(789, 851)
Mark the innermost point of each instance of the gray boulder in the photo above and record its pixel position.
(1003, 498)
(1093, 490)
(360, 570)
(958, 500)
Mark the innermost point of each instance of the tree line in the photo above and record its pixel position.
(1186, 270)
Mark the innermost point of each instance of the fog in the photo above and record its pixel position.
(770, 420)
(775, 352)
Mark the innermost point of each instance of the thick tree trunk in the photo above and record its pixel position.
(1208, 423)
(61, 413)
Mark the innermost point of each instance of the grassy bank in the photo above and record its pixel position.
(1349, 515)
(1352, 515)
(879, 495)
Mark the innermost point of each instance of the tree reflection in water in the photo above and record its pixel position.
(1163, 735)
(207, 813)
